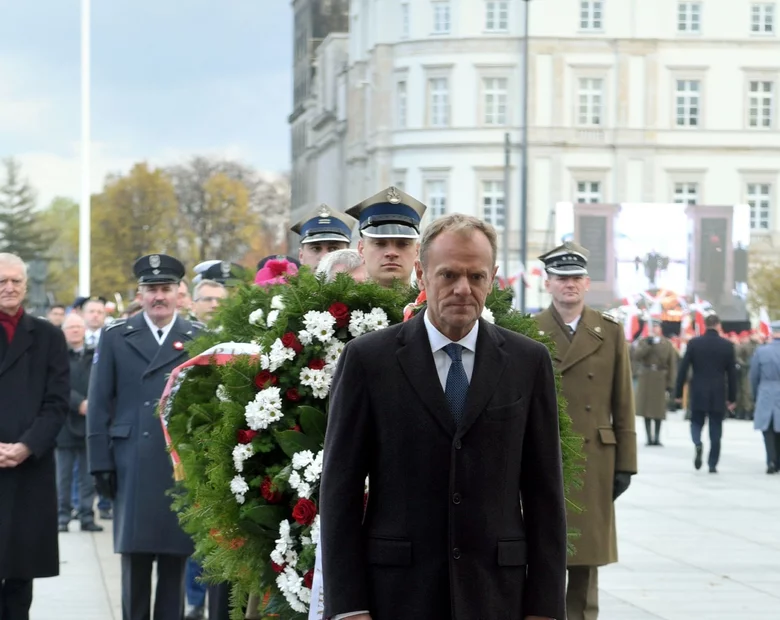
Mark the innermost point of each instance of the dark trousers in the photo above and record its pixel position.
(772, 445)
(15, 599)
(716, 432)
(66, 458)
(137, 586)
(219, 602)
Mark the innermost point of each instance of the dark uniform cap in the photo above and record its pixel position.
(218, 270)
(325, 224)
(158, 269)
(79, 302)
(569, 259)
(390, 213)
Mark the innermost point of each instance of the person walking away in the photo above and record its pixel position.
(656, 362)
(765, 384)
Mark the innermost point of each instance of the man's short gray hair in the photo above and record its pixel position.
(348, 258)
(201, 284)
(14, 261)
(461, 224)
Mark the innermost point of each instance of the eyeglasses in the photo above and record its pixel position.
(209, 299)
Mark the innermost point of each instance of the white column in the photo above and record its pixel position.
(84, 207)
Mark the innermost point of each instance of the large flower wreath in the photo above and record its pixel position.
(247, 429)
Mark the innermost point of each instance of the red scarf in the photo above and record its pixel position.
(10, 322)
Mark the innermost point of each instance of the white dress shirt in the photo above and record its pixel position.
(443, 362)
(165, 329)
(574, 323)
(92, 337)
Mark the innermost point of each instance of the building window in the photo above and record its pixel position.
(689, 17)
(436, 197)
(405, 20)
(495, 93)
(591, 14)
(401, 104)
(688, 103)
(590, 102)
(759, 197)
(686, 193)
(493, 210)
(441, 17)
(497, 16)
(400, 179)
(439, 102)
(762, 18)
(588, 191)
(761, 103)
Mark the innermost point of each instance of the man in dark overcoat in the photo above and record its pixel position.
(713, 389)
(454, 420)
(126, 448)
(34, 388)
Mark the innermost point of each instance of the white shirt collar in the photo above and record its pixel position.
(165, 330)
(574, 323)
(439, 341)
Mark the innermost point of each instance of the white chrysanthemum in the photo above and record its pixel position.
(332, 353)
(315, 529)
(256, 317)
(305, 337)
(265, 409)
(357, 326)
(303, 459)
(294, 480)
(321, 325)
(306, 541)
(376, 319)
(273, 315)
(278, 355)
(304, 490)
(241, 453)
(239, 488)
(277, 303)
(222, 394)
(291, 585)
(487, 314)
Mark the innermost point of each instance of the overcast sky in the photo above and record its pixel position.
(170, 79)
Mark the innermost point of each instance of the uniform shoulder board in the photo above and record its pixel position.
(116, 323)
(197, 324)
(610, 318)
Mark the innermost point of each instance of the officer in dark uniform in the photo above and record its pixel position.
(222, 271)
(323, 230)
(126, 447)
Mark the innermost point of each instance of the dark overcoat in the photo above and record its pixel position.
(596, 381)
(33, 403)
(714, 380)
(124, 433)
(74, 432)
(445, 533)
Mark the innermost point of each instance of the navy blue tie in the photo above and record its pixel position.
(457, 383)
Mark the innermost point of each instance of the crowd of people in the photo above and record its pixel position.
(84, 387)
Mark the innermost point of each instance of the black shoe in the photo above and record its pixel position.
(697, 460)
(62, 528)
(713, 469)
(106, 515)
(658, 443)
(771, 469)
(91, 527)
(196, 613)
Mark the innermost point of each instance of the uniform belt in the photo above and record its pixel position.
(655, 367)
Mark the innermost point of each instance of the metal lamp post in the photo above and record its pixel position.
(85, 207)
(524, 167)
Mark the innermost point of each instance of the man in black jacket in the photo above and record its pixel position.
(713, 387)
(72, 440)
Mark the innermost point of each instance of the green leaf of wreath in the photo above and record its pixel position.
(313, 422)
(292, 442)
(266, 516)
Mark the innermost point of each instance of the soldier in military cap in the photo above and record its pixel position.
(222, 271)
(389, 224)
(592, 356)
(322, 231)
(126, 447)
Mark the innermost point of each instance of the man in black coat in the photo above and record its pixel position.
(126, 447)
(453, 420)
(72, 440)
(33, 403)
(713, 387)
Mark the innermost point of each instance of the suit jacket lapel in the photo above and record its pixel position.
(489, 364)
(416, 360)
(587, 339)
(138, 335)
(22, 341)
(181, 332)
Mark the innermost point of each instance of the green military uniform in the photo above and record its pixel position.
(596, 379)
(656, 366)
(745, 401)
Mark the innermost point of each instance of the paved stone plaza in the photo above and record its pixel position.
(693, 546)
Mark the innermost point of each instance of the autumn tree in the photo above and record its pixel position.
(133, 216)
(20, 231)
(60, 221)
(765, 287)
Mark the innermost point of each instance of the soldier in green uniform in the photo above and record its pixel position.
(744, 351)
(593, 359)
(656, 366)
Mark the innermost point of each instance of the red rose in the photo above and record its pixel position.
(276, 568)
(264, 379)
(317, 364)
(293, 395)
(296, 428)
(340, 312)
(246, 436)
(308, 579)
(291, 341)
(305, 511)
(270, 492)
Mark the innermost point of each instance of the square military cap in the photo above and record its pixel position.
(569, 259)
(217, 270)
(325, 224)
(391, 213)
(158, 269)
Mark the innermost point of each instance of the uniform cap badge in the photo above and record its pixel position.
(154, 261)
(225, 268)
(393, 197)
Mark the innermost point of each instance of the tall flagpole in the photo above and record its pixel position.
(84, 207)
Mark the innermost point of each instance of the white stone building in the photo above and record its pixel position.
(629, 101)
